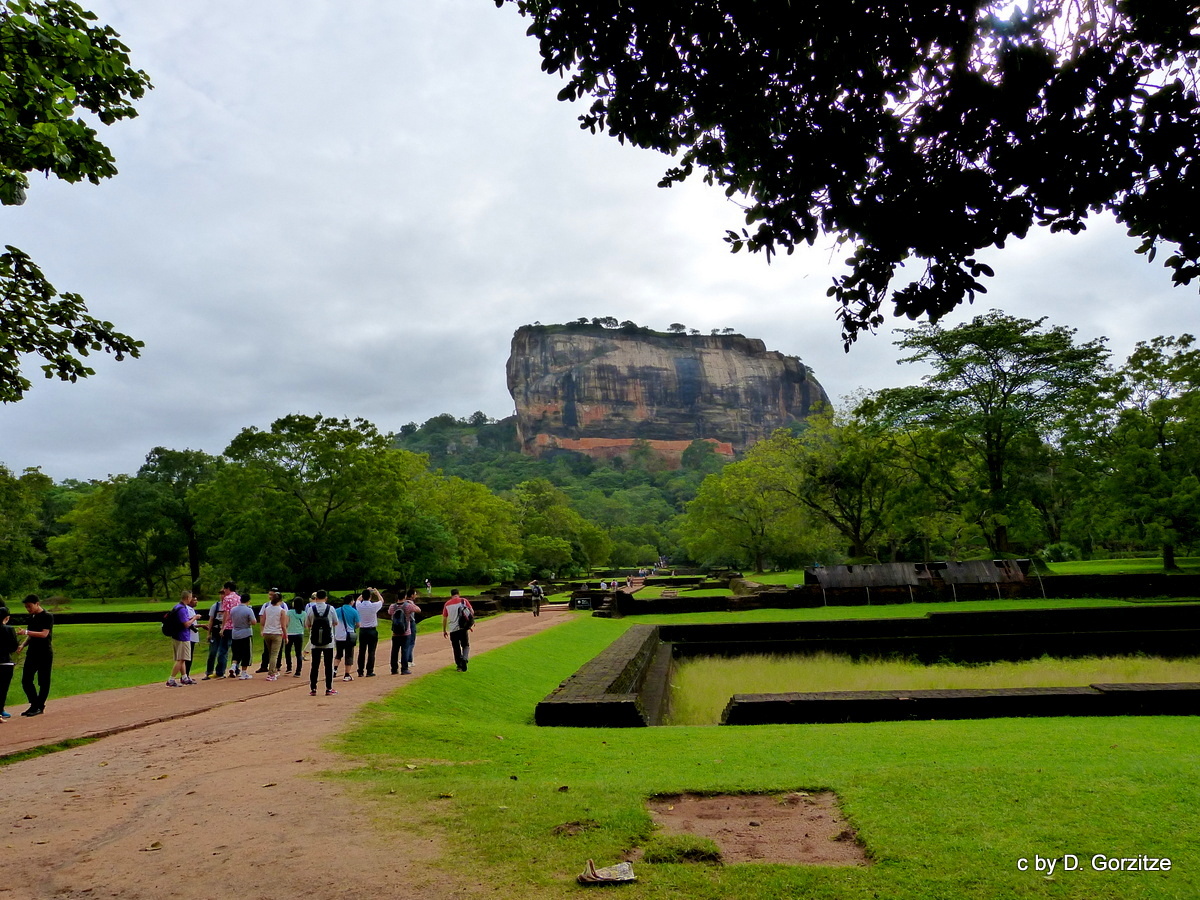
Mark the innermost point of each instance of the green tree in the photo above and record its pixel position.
(1143, 441)
(844, 473)
(907, 129)
(54, 63)
(1000, 386)
(312, 501)
(20, 505)
(740, 516)
(544, 511)
(119, 540)
(173, 474)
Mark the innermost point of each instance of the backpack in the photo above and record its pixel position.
(466, 616)
(172, 627)
(322, 631)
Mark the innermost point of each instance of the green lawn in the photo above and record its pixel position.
(701, 687)
(1079, 567)
(1122, 566)
(946, 809)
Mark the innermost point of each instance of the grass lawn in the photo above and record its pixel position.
(1078, 567)
(701, 687)
(1122, 566)
(946, 809)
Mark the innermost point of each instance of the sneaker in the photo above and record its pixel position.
(298, 675)
(32, 712)
(370, 675)
(5, 715)
(312, 693)
(188, 679)
(330, 692)
(245, 676)
(347, 678)
(171, 682)
(272, 678)
(208, 677)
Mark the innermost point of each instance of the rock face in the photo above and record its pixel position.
(597, 390)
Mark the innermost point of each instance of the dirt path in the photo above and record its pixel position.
(210, 791)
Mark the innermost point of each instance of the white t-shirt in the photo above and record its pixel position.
(368, 613)
(274, 619)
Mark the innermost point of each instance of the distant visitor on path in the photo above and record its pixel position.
(368, 607)
(320, 619)
(458, 618)
(538, 595)
(39, 655)
(404, 632)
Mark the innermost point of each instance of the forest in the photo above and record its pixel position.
(1018, 441)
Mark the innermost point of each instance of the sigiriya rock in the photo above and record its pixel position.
(596, 390)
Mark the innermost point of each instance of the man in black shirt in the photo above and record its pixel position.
(39, 656)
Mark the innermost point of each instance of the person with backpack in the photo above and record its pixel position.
(344, 628)
(404, 632)
(458, 618)
(320, 619)
(538, 595)
(178, 625)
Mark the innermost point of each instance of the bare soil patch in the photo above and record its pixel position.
(799, 828)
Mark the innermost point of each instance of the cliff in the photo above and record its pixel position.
(597, 390)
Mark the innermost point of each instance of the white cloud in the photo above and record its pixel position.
(348, 209)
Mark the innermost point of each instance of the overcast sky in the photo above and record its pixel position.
(348, 208)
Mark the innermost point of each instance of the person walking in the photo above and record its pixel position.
(538, 594)
(344, 637)
(368, 607)
(242, 621)
(404, 632)
(39, 655)
(274, 621)
(458, 618)
(8, 647)
(320, 620)
(295, 638)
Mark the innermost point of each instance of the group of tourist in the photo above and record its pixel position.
(39, 656)
(317, 628)
(334, 632)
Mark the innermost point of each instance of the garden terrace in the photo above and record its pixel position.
(626, 684)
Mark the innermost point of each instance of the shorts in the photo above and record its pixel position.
(183, 651)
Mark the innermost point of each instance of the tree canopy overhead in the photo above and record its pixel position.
(907, 128)
(56, 64)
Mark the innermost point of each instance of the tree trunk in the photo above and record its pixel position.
(1169, 564)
